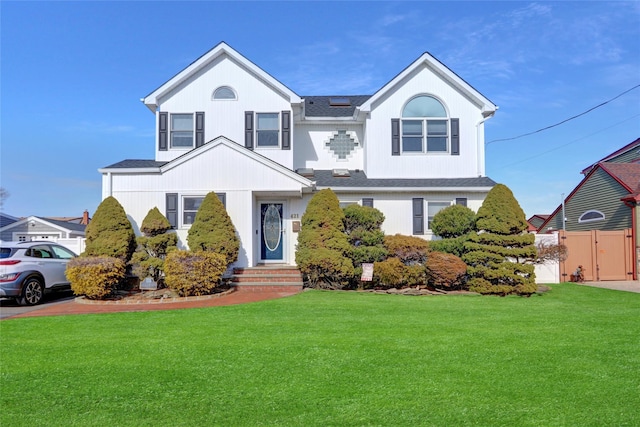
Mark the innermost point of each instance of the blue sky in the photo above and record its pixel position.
(72, 75)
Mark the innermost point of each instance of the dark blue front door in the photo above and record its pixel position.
(271, 231)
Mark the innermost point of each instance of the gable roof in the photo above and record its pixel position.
(7, 219)
(60, 225)
(488, 107)
(151, 166)
(221, 49)
(623, 173)
(631, 146)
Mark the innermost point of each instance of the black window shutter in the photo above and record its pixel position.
(248, 129)
(395, 137)
(163, 131)
(368, 201)
(418, 216)
(286, 130)
(199, 128)
(223, 198)
(461, 201)
(172, 209)
(455, 137)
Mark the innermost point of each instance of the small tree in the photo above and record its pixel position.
(501, 254)
(323, 252)
(362, 226)
(213, 231)
(454, 224)
(153, 246)
(110, 233)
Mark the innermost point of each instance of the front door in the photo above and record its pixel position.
(272, 233)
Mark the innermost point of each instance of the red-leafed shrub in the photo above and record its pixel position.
(445, 270)
(409, 249)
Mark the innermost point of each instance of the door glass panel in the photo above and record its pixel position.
(272, 228)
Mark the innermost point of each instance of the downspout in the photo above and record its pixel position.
(481, 146)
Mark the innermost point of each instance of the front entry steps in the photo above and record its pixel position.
(267, 279)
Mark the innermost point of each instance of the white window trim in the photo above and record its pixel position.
(583, 221)
(193, 132)
(425, 136)
(255, 132)
(235, 94)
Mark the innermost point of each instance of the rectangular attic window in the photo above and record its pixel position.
(339, 101)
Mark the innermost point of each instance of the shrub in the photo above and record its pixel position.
(445, 270)
(194, 273)
(148, 259)
(323, 251)
(392, 273)
(95, 277)
(453, 221)
(212, 230)
(501, 254)
(110, 233)
(452, 245)
(409, 249)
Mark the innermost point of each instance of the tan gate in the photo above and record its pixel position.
(603, 255)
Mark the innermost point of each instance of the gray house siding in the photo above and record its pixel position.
(37, 230)
(626, 157)
(599, 192)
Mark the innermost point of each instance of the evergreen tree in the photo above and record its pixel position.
(153, 246)
(323, 251)
(454, 224)
(110, 233)
(501, 254)
(213, 231)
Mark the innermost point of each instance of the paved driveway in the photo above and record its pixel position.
(9, 307)
(629, 286)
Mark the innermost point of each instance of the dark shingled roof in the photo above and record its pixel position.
(318, 106)
(325, 178)
(136, 163)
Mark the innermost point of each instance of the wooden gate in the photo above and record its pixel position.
(603, 255)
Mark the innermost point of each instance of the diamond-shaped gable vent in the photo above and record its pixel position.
(341, 144)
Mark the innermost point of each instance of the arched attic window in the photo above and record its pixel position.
(591, 216)
(425, 126)
(224, 93)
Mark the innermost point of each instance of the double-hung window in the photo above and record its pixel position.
(425, 126)
(267, 130)
(182, 130)
(190, 206)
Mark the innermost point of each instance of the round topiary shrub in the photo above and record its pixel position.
(445, 270)
(323, 252)
(194, 273)
(110, 232)
(95, 277)
(213, 231)
(409, 249)
(453, 221)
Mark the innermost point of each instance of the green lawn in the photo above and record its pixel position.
(569, 357)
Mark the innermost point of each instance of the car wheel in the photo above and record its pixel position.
(32, 292)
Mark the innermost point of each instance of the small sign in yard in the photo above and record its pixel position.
(148, 284)
(367, 272)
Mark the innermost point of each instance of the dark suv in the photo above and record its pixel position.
(29, 269)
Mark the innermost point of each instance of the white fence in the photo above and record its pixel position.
(549, 272)
(75, 244)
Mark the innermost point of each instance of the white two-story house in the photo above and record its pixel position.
(224, 125)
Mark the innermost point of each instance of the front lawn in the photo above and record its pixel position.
(569, 357)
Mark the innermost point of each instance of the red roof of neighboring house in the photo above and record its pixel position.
(627, 174)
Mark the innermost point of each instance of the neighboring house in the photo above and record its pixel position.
(38, 228)
(7, 219)
(535, 222)
(605, 200)
(224, 125)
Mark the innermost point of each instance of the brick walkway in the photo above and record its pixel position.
(75, 307)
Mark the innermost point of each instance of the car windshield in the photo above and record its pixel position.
(5, 252)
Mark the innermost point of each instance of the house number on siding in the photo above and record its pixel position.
(294, 216)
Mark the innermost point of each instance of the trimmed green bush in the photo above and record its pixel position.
(392, 273)
(96, 277)
(323, 252)
(110, 233)
(501, 255)
(212, 230)
(409, 249)
(452, 245)
(194, 273)
(148, 259)
(445, 270)
(453, 221)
